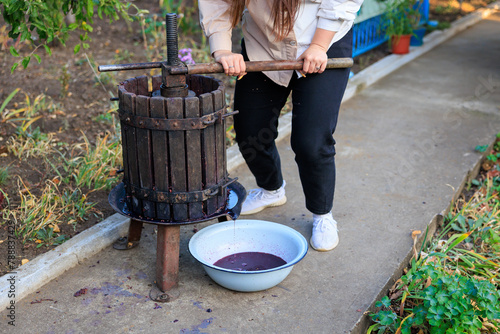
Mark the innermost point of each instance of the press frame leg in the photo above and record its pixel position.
(133, 237)
(167, 263)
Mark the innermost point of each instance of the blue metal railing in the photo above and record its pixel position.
(369, 34)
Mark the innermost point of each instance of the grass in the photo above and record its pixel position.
(34, 212)
(37, 213)
(29, 140)
(4, 175)
(96, 166)
(452, 284)
(28, 144)
(77, 170)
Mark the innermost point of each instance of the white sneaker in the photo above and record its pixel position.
(259, 199)
(325, 235)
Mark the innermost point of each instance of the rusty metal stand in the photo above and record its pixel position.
(133, 238)
(167, 264)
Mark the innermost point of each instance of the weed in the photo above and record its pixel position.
(34, 212)
(46, 237)
(4, 175)
(75, 203)
(153, 33)
(5, 116)
(187, 17)
(481, 148)
(64, 79)
(446, 303)
(96, 166)
(37, 215)
(28, 144)
(365, 60)
(107, 117)
(29, 108)
(106, 78)
(230, 135)
(452, 287)
(122, 56)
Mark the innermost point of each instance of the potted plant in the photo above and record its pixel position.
(398, 24)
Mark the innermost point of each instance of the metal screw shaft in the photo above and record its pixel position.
(172, 42)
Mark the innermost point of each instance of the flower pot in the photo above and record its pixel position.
(400, 44)
(417, 39)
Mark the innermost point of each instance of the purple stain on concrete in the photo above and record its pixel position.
(76, 320)
(196, 329)
(86, 301)
(120, 310)
(198, 305)
(114, 290)
(108, 311)
(206, 322)
(141, 275)
(122, 272)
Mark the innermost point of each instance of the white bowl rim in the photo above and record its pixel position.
(299, 257)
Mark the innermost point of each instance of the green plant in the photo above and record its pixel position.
(48, 238)
(187, 15)
(75, 203)
(453, 287)
(442, 301)
(30, 143)
(42, 211)
(41, 22)
(401, 17)
(443, 25)
(5, 116)
(64, 79)
(34, 212)
(106, 78)
(493, 156)
(96, 166)
(154, 33)
(4, 175)
(108, 117)
(481, 148)
(450, 8)
(29, 108)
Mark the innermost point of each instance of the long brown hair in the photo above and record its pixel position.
(283, 14)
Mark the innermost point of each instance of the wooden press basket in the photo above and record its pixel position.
(174, 150)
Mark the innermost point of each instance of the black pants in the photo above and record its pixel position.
(316, 101)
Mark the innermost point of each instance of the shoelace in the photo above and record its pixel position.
(324, 225)
(256, 193)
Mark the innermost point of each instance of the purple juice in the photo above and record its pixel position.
(250, 261)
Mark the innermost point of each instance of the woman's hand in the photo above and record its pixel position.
(315, 59)
(232, 63)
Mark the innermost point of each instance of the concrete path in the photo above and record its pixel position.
(404, 145)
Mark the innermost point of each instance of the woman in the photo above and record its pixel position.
(312, 30)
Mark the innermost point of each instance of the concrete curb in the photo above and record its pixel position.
(33, 275)
(44, 268)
